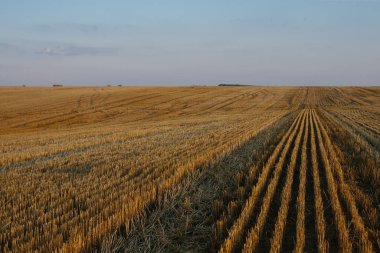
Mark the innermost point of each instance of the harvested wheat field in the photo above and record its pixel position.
(190, 169)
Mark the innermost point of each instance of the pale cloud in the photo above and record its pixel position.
(72, 50)
(11, 48)
(67, 28)
(6, 46)
(78, 28)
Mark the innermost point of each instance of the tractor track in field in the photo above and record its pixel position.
(280, 216)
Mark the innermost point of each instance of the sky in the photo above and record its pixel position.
(198, 42)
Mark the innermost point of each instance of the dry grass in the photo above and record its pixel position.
(88, 169)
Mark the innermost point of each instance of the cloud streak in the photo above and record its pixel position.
(4, 45)
(11, 48)
(72, 50)
(67, 28)
(78, 28)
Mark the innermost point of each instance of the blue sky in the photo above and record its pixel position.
(93, 42)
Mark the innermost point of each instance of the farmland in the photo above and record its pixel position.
(198, 169)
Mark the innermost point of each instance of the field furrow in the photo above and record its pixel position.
(238, 229)
(320, 222)
(364, 244)
(301, 197)
(278, 233)
(255, 233)
(345, 245)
